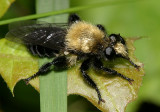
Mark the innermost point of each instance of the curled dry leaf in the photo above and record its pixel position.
(16, 64)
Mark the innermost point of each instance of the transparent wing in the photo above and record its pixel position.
(45, 34)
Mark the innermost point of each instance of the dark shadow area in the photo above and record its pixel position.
(78, 103)
(26, 98)
(19, 8)
(148, 107)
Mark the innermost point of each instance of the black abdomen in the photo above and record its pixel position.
(41, 51)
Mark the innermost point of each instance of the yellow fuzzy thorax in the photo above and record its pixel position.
(83, 37)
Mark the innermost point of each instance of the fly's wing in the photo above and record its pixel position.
(50, 35)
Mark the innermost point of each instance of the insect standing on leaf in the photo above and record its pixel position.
(70, 42)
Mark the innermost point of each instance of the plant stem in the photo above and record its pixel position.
(74, 9)
(53, 86)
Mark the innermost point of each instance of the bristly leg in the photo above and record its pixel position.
(59, 62)
(101, 27)
(136, 66)
(131, 62)
(45, 68)
(73, 18)
(84, 67)
(99, 65)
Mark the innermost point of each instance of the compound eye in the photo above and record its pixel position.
(113, 38)
(121, 40)
(116, 38)
(110, 53)
(101, 27)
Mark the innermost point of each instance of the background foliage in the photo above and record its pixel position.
(138, 18)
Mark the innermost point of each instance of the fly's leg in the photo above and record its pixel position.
(84, 67)
(59, 62)
(73, 18)
(98, 64)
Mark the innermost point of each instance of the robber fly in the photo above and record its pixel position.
(70, 42)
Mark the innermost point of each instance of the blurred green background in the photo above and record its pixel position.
(130, 19)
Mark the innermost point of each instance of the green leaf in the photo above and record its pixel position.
(4, 5)
(16, 64)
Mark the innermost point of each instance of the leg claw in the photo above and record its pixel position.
(138, 67)
(101, 100)
(26, 81)
(130, 81)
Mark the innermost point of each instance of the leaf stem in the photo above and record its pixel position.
(53, 86)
